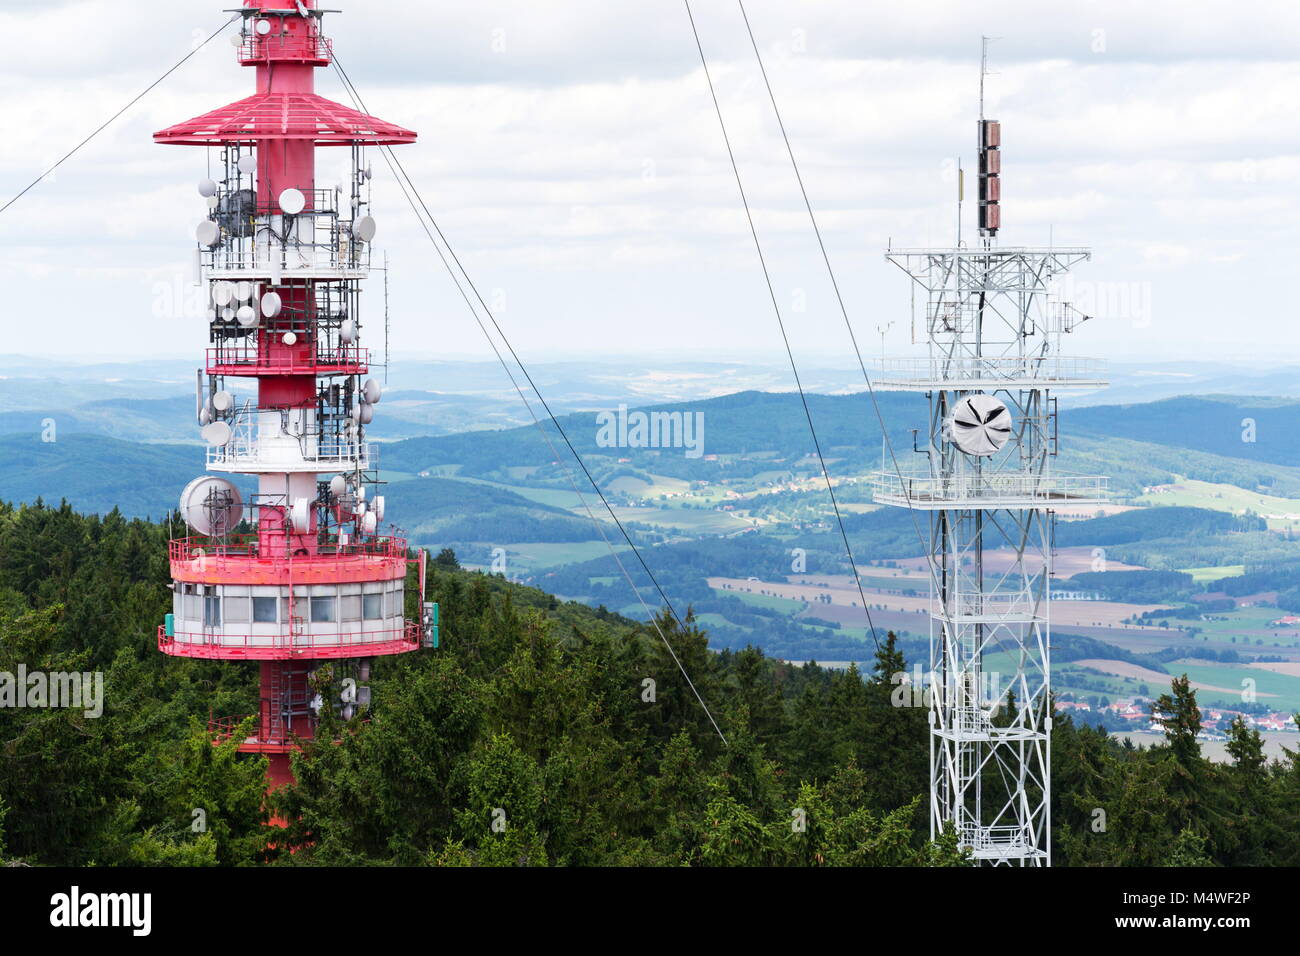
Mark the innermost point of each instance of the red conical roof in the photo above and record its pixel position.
(285, 116)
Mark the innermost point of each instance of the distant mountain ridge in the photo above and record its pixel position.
(744, 433)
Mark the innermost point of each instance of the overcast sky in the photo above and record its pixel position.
(572, 155)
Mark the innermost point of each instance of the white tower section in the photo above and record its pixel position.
(988, 493)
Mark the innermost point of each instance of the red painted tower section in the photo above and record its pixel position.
(297, 570)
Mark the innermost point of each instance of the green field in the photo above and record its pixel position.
(1238, 623)
(1208, 575)
(537, 556)
(555, 497)
(763, 600)
(1286, 688)
(705, 521)
(1229, 498)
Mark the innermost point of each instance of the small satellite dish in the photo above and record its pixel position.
(338, 485)
(228, 314)
(212, 315)
(222, 293)
(237, 40)
(979, 425)
(207, 187)
(211, 505)
(367, 413)
(248, 163)
(373, 391)
(292, 201)
(378, 507)
(247, 316)
(223, 401)
(364, 228)
(369, 523)
(289, 338)
(354, 414)
(348, 332)
(271, 304)
(208, 232)
(370, 173)
(243, 291)
(205, 416)
(300, 514)
(216, 433)
(263, 27)
(213, 202)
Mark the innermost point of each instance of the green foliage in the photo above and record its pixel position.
(543, 732)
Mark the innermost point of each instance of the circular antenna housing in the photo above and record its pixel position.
(216, 433)
(290, 338)
(211, 505)
(248, 164)
(364, 228)
(247, 316)
(207, 187)
(292, 201)
(223, 401)
(243, 291)
(301, 515)
(263, 27)
(208, 232)
(373, 391)
(271, 304)
(979, 425)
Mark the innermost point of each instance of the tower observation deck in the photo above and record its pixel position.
(987, 490)
(296, 568)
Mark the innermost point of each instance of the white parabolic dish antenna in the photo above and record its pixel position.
(979, 425)
(292, 201)
(372, 391)
(271, 304)
(208, 232)
(211, 505)
(216, 433)
(364, 228)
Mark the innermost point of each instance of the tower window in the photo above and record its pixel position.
(264, 610)
(323, 610)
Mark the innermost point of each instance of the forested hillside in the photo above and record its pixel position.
(536, 712)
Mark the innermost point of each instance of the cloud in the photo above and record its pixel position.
(571, 153)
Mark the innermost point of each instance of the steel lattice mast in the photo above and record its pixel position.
(988, 493)
(309, 576)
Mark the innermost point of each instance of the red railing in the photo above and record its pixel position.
(244, 548)
(289, 645)
(250, 360)
(306, 46)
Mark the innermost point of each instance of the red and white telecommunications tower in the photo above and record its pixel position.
(295, 571)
